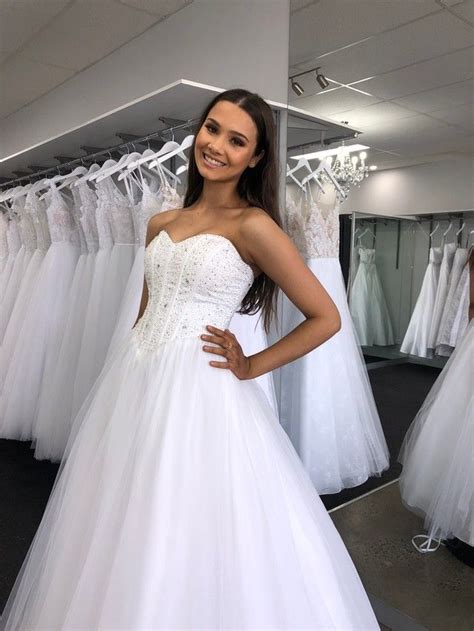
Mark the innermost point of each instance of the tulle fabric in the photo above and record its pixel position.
(36, 340)
(12, 287)
(183, 512)
(368, 306)
(53, 422)
(327, 406)
(437, 480)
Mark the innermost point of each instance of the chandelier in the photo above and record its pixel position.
(349, 171)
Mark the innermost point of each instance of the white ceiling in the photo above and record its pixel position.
(45, 42)
(401, 71)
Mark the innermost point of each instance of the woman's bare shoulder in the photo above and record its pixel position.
(159, 221)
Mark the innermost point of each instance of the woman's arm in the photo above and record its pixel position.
(276, 255)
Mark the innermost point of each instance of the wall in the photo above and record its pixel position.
(433, 187)
(225, 44)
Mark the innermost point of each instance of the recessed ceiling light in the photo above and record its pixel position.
(330, 152)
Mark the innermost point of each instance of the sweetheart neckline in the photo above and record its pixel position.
(204, 234)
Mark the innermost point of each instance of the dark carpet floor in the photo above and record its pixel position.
(25, 483)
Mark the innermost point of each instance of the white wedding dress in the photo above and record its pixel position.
(13, 247)
(326, 401)
(449, 332)
(181, 503)
(3, 242)
(368, 306)
(442, 289)
(416, 338)
(437, 480)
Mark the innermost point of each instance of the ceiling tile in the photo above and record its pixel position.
(376, 115)
(462, 115)
(432, 36)
(433, 73)
(87, 32)
(330, 24)
(25, 81)
(440, 98)
(465, 10)
(21, 19)
(451, 3)
(330, 103)
(162, 8)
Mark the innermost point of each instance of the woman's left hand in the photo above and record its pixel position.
(228, 347)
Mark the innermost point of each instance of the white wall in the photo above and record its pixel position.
(225, 43)
(433, 187)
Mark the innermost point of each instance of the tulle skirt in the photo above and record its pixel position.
(53, 418)
(437, 480)
(36, 340)
(19, 312)
(326, 401)
(369, 308)
(183, 512)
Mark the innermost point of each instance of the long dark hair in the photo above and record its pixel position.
(258, 186)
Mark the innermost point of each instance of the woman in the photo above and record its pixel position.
(181, 503)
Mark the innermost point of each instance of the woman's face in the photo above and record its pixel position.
(226, 143)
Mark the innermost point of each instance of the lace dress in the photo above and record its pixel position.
(446, 333)
(416, 337)
(35, 352)
(181, 503)
(441, 292)
(13, 247)
(368, 305)
(39, 222)
(3, 241)
(53, 418)
(326, 401)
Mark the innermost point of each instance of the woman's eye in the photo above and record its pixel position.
(211, 128)
(238, 142)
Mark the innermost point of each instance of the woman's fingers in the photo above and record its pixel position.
(215, 349)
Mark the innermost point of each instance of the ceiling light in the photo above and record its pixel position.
(330, 152)
(297, 89)
(373, 167)
(321, 79)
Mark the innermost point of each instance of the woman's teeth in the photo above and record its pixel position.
(211, 162)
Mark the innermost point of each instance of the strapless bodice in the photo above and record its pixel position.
(366, 256)
(198, 281)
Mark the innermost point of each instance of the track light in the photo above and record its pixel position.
(297, 89)
(321, 79)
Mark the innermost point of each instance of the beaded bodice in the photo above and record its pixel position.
(88, 205)
(27, 230)
(76, 213)
(150, 204)
(13, 237)
(3, 237)
(37, 212)
(314, 232)
(192, 283)
(366, 256)
(117, 208)
(60, 220)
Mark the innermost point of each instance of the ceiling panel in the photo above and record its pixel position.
(440, 98)
(376, 115)
(432, 36)
(462, 115)
(465, 10)
(104, 25)
(27, 80)
(433, 73)
(330, 24)
(161, 8)
(330, 103)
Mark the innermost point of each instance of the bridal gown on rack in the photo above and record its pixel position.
(14, 247)
(442, 289)
(368, 305)
(181, 502)
(3, 242)
(416, 338)
(447, 332)
(326, 402)
(437, 480)
(35, 349)
(53, 414)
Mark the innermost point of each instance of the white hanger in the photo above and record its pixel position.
(433, 231)
(119, 166)
(447, 230)
(95, 168)
(289, 173)
(147, 155)
(325, 167)
(168, 146)
(187, 142)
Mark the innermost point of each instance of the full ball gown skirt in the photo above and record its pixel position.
(181, 503)
(437, 480)
(416, 337)
(368, 306)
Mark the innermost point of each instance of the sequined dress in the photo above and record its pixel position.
(181, 503)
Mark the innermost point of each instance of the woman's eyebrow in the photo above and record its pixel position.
(237, 133)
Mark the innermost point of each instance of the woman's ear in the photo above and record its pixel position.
(256, 159)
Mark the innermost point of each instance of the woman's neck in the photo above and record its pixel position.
(218, 195)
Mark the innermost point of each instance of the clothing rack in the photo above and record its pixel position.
(91, 155)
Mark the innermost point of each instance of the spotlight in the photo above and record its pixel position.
(297, 89)
(373, 167)
(321, 79)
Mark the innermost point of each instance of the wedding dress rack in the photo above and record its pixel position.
(95, 153)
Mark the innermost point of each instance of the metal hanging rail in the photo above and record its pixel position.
(90, 156)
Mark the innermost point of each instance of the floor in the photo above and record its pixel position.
(409, 591)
